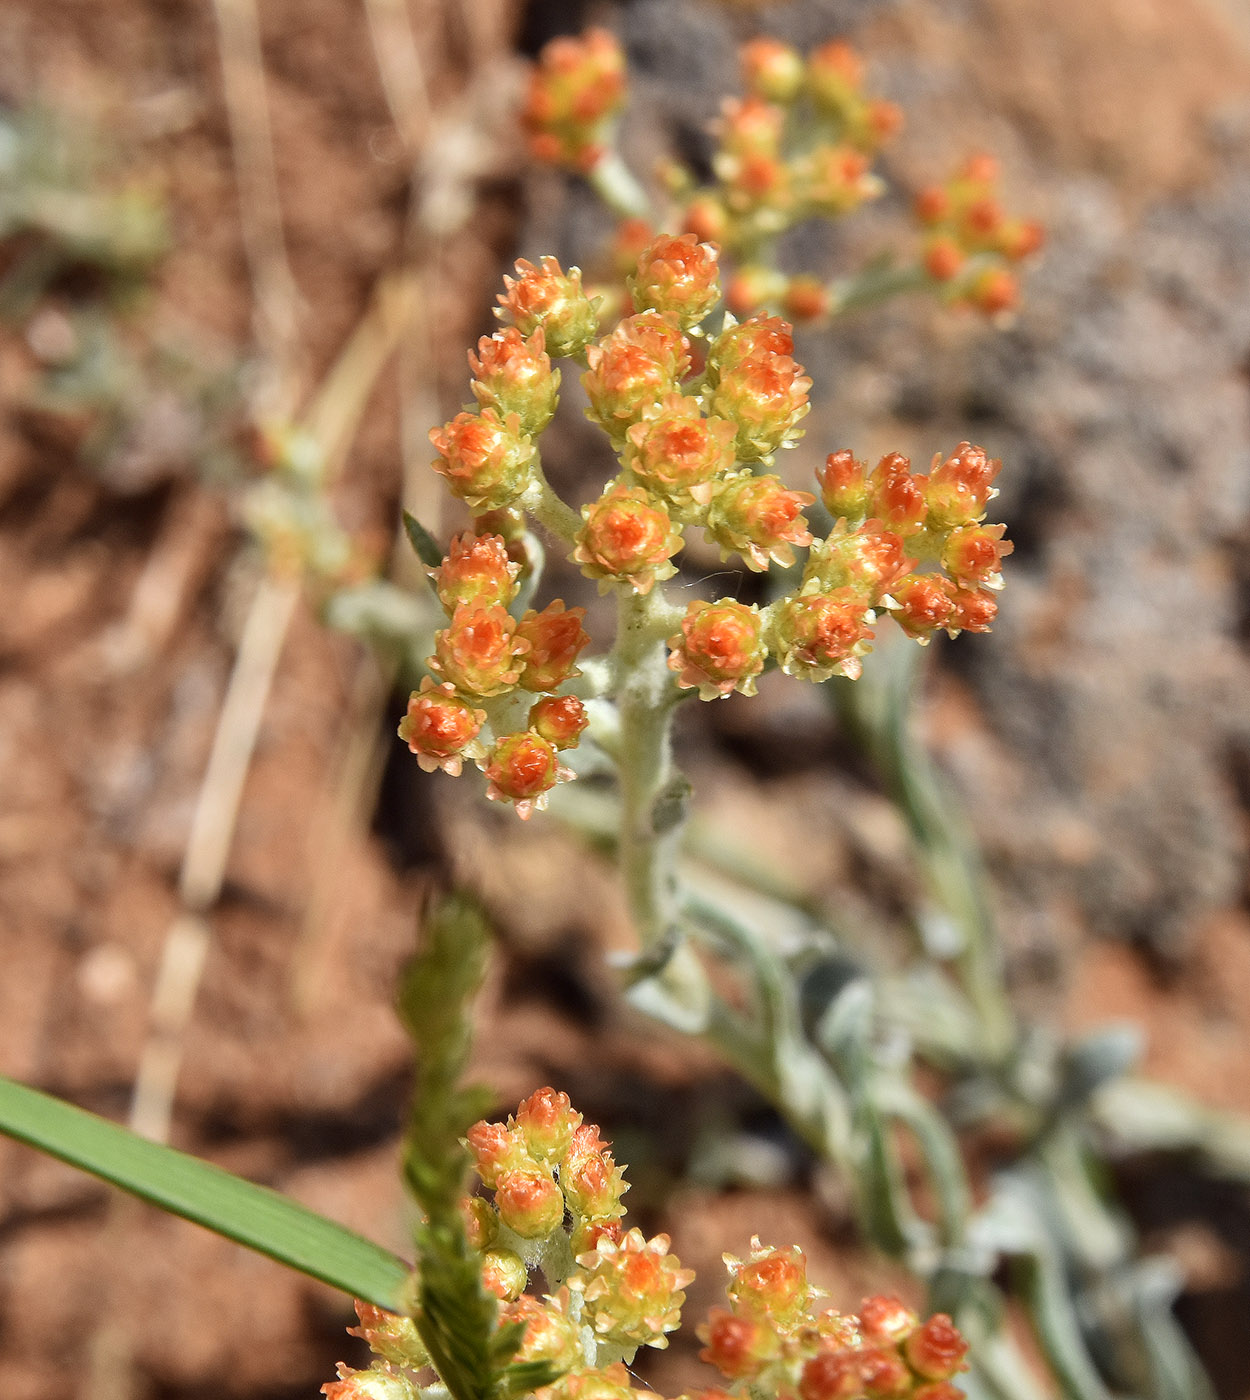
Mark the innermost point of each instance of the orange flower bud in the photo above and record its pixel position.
(479, 653)
(835, 179)
(995, 291)
(529, 1202)
(738, 1347)
(576, 87)
(514, 375)
(549, 1335)
(806, 299)
(390, 1335)
(523, 769)
(593, 1183)
(627, 538)
(560, 719)
(633, 368)
(896, 497)
(943, 259)
(547, 1120)
(588, 1233)
(973, 554)
(481, 1224)
(757, 517)
(815, 636)
(937, 1390)
(883, 1373)
(922, 604)
(765, 397)
(477, 571)
(749, 126)
(869, 558)
(378, 1384)
(555, 638)
(1021, 238)
(495, 1148)
(771, 70)
(972, 610)
(548, 299)
(487, 460)
(631, 239)
(886, 1319)
(504, 1273)
(753, 286)
(720, 648)
(932, 204)
(771, 1286)
(632, 1290)
(830, 1375)
(835, 72)
(441, 728)
(960, 487)
(677, 453)
(843, 482)
(761, 336)
(677, 276)
(936, 1349)
(707, 219)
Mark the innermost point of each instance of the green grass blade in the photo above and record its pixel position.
(251, 1215)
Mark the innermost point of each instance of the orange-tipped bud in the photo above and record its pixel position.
(972, 610)
(943, 259)
(495, 1148)
(922, 605)
(547, 1120)
(815, 636)
(633, 368)
(556, 638)
(753, 286)
(514, 375)
(523, 768)
(720, 648)
(843, 482)
(836, 179)
(677, 453)
(765, 398)
(481, 1224)
(593, 1183)
(995, 291)
(973, 555)
(560, 719)
(886, 1319)
(806, 299)
(390, 1335)
(480, 652)
(504, 1274)
(759, 518)
(932, 205)
(835, 74)
(627, 538)
(936, 1349)
(961, 486)
(477, 571)
(749, 126)
(771, 70)
(896, 497)
(771, 1286)
(707, 219)
(550, 1335)
(576, 88)
(738, 1347)
(441, 728)
(379, 1384)
(870, 559)
(631, 239)
(760, 336)
(831, 1375)
(487, 460)
(677, 276)
(549, 299)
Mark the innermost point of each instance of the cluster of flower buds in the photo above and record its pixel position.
(556, 1203)
(575, 92)
(692, 446)
(485, 654)
(970, 244)
(770, 1340)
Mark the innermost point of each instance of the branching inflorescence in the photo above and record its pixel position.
(555, 1207)
(693, 444)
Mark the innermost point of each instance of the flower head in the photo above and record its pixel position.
(677, 453)
(480, 652)
(549, 299)
(758, 517)
(575, 90)
(555, 638)
(560, 719)
(765, 397)
(720, 648)
(677, 276)
(819, 635)
(487, 460)
(632, 1289)
(441, 727)
(627, 538)
(522, 769)
(634, 367)
(513, 374)
(477, 571)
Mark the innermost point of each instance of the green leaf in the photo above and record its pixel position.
(249, 1214)
(422, 541)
